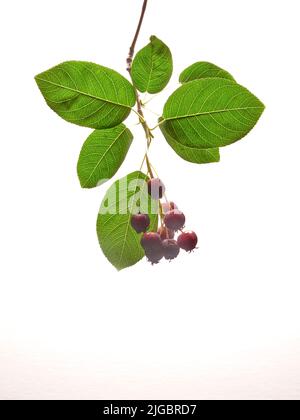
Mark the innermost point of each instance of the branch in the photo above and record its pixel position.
(132, 47)
(149, 135)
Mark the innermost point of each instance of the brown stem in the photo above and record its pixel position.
(149, 135)
(137, 32)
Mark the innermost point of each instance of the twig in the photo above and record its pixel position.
(132, 46)
(149, 135)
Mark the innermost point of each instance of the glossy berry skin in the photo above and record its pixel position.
(151, 242)
(165, 233)
(170, 249)
(168, 207)
(187, 241)
(174, 220)
(154, 256)
(140, 222)
(156, 188)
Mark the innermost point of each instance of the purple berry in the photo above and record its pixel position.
(140, 222)
(170, 249)
(151, 241)
(187, 241)
(174, 220)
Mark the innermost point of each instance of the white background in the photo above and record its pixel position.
(220, 323)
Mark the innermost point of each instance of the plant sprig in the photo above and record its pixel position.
(208, 111)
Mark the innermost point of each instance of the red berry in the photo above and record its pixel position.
(170, 249)
(156, 188)
(166, 233)
(151, 242)
(155, 255)
(168, 206)
(140, 222)
(187, 241)
(174, 220)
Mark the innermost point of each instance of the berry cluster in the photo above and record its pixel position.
(162, 244)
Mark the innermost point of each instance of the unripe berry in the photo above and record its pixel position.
(187, 241)
(156, 188)
(170, 249)
(140, 222)
(151, 242)
(165, 233)
(174, 220)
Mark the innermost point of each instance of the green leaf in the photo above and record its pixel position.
(87, 94)
(152, 67)
(211, 113)
(118, 240)
(102, 154)
(191, 153)
(203, 70)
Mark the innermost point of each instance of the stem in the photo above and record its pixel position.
(137, 32)
(161, 122)
(149, 167)
(139, 115)
(149, 135)
(161, 214)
